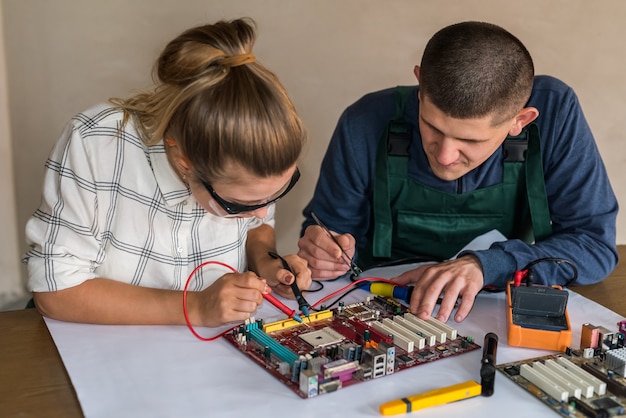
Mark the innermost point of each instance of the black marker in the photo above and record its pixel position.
(488, 368)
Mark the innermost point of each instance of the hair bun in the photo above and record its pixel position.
(237, 60)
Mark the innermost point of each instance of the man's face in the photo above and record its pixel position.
(454, 147)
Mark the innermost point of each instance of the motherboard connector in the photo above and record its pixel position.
(290, 323)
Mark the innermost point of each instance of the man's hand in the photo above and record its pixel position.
(462, 277)
(324, 257)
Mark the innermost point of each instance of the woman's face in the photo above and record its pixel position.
(244, 194)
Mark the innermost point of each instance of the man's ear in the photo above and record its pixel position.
(416, 71)
(523, 118)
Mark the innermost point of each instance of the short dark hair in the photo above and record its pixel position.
(476, 69)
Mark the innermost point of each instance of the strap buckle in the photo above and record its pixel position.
(514, 148)
(398, 139)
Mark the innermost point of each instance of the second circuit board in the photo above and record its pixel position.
(587, 382)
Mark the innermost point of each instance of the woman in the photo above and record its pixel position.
(139, 193)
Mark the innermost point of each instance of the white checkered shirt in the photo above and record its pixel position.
(113, 207)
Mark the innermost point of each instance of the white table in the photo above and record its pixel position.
(164, 371)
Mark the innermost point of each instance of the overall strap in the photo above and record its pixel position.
(536, 187)
(393, 148)
(525, 149)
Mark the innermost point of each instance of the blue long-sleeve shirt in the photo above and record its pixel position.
(582, 204)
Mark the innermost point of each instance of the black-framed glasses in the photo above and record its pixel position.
(236, 208)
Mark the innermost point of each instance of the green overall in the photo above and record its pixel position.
(413, 220)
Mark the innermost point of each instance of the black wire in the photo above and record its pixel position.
(346, 293)
(529, 266)
(408, 260)
(321, 286)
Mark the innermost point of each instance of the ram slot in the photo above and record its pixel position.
(274, 346)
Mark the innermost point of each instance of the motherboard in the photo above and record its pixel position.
(585, 382)
(336, 348)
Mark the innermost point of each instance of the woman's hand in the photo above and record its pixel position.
(280, 279)
(231, 298)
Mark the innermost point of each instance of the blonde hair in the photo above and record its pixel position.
(219, 104)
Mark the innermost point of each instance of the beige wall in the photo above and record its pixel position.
(10, 284)
(65, 55)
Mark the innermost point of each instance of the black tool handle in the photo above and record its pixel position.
(488, 368)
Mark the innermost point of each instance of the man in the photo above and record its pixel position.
(480, 144)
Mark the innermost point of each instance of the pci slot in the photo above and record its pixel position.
(439, 334)
(429, 338)
(558, 379)
(450, 332)
(364, 328)
(612, 385)
(538, 379)
(398, 339)
(418, 342)
(598, 386)
(585, 386)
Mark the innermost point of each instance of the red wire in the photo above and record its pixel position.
(187, 321)
(365, 279)
(193, 273)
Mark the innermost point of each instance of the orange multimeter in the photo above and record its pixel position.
(537, 317)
